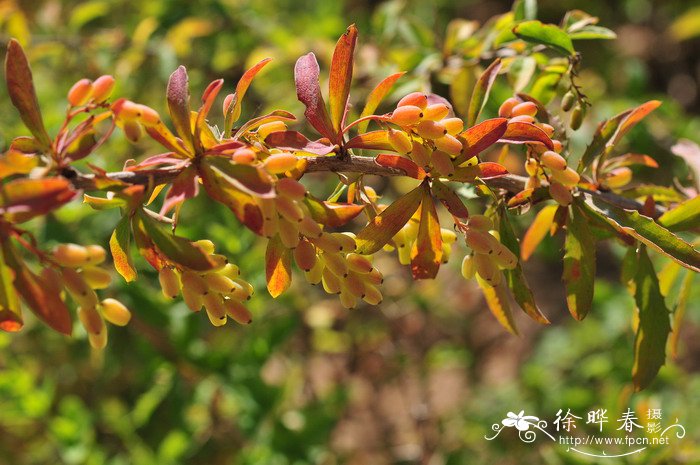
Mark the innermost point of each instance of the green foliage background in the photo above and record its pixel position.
(419, 379)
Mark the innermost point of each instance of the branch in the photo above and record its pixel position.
(511, 183)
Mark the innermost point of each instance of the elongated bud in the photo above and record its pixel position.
(289, 233)
(553, 160)
(618, 177)
(278, 163)
(243, 156)
(192, 299)
(522, 119)
(576, 117)
(567, 102)
(231, 271)
(533, 182)
(305, 255)
(436, 111)
(169, 282)
(404, 254)
(480, 222)
(354, 284)
(442, 162)
(430, 129)
(336, 263)
(504, 257)
(453, 125)
(346, 240)
(373, 295)
(78, 288)
(314, 275)
(268, 128)
(71, 255)
(238, 312)
(191, 280)
(568, 176)
(560, 193)
(215, 308)
(98, 341)
(446, 252)
(96, 254)
(407, 115)
(148, 116)
(291, 188)
(331, 282)
(217, 282)
(91, 320)
(481, 242)
(400, 141)
(132, 130)
(310, 228)
(506, 108)
(449, 144)
(80, 93)
(327, 243)
(115, 312)
(358, 263)
(525, 108)
(420, 154)
(289, 209)
(418, 99)
(375, 277)
(448, 236)
(558, 147)
(347, 298)
(468, 267)
(102, 88)
(97, 278)
(487, 269)
(243, 291)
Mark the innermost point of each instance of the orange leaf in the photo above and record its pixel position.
(497, 300)
(375, 97)
(278, 270)
(340, 77)
(208, 97)
(538, 229)
(373, 140)
(426, 253)
(234, 111)
(401, 163)
(526, 133)
(450, 200)
(634, 117)
(483, 170)
(480, 137)
(119, 245)
(23, 199)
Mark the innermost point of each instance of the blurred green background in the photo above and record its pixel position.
(418, 380)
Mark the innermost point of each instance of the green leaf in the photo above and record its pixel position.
(384, 226)
(683, 217)
(524, 9)
(20, 87)
(103, 203)
(679, 312)
(603, 134)
(546, 34)
(175, 248)
(278, 266)
(654, 326)
(579, 263)
(593, 32)
(426, 253)
(340, 76)
(515, 277)
(481, 91)
(545, 87)
(645, 230)
(119, 245)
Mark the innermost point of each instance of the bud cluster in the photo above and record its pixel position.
(132, 117)
(427, 134)
(489, 256)
(220, 291)
(405, 239)
(77, 272)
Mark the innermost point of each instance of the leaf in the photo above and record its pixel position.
(603, 133)
(683, 217)
(546, 34)
(524, 9)
(632, 159)
(450, 199)
(16, 162)
(384, 226)
(654, 326)
(241, 204)
(104, 203)
(340, 76)
(515, 277)
(631, 120)
(208, 98)
(579, 263)
(332, 214)
(679, 312)
(497, 301)
(41, 295)
(481, 91)
(175, 248)
(184, 186)
(10, 310)
(645, 230)
(545, 88)
(178, 93)
(484, 170)
(375, 97)
(526, 133)
(297, 142)
(252, 124)
(120, 247)
(480, 137)
(426, 253)
(278, 267)
(537, 231)
(593, 32)
(306, 75)
(234, 111)
(20, 87)
(401, 163)
(23, 199)
(373, 140)
(249, 179)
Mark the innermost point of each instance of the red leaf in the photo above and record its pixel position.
(332, 214)
(401, 163)
(480, 137)
(426, 253)
(23, 199)
(297, 142)
(483, 170)
(252, 180)
(278, 267)
(20, 87)
(341, 77)
(375, 97)
(208, 97)
(450, 200)
(526, 133)
(185, 186)
(178, 93)
(306, 74)
(374, 140)
(234, 111)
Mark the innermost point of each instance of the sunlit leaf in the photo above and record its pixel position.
(234, 111)
(340, 76)
(375, 97)
(120, 247)
(103, 203)
(373, 140)
(593, 32)
(538, 229)
(16, 162)
(654, 326)
(23, 199)
(480, 137)
(306, 75)
(401, 163)
(250, 179)
(603, 134)
(683, 217)
(330, 213)
(484, 170)
(384, 226)
(546, 34)
(208, 98)
(579, 263)
(497, 300)
(526, 133)
(295, 141)
(679, 312)
(481, 91)
(178, 93)
(278, 267)
(631, 120)
(426, 253)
